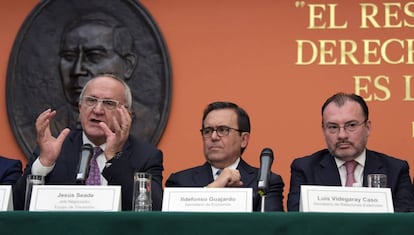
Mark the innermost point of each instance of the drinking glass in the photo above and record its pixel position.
(30, 181)
(141, 200)
(377, 180)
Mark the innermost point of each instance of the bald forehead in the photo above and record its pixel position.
(105, 81)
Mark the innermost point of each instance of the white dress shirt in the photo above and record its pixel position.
(232, 166)
(358, 173)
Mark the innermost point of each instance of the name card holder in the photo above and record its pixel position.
(75, 198)
(188, 199)
(345, 199)
(6, 199)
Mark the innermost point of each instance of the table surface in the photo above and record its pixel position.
(23, 222)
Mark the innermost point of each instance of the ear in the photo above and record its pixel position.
(131, 61)
(245, 139)
(368, 126)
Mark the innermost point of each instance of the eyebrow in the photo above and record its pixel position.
(344, 122)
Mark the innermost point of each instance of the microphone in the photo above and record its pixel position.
(85, 155)
(266, 160)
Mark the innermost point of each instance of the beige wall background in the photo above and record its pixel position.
(246, 51)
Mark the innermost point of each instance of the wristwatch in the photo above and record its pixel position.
(117, 155)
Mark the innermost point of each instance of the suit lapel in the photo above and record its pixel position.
(326, 172)
(67, 162)
(76, 144)
(247, 173)
(373, 165)
(203, 176)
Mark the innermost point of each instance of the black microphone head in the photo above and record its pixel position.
(266, 160)
(85, 154)
(267, 152)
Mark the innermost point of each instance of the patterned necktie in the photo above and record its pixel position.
(350, 168)
(94, 177)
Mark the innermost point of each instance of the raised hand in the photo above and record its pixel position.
(116, 138)
(49, 146)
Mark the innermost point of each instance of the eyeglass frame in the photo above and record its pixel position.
(99, 100)
(215, 129)
(351, 124)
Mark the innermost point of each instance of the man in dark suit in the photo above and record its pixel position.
(104, 111)
(346, 128)
(10, 170)
(225, 131)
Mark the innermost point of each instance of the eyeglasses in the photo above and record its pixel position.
(348, 127)
(107, 103)
(221, 131)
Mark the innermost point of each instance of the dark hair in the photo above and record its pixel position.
(340, 99)
(243, 120)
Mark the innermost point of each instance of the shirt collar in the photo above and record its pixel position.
(88, 141)
(232, 166)
(360, 159)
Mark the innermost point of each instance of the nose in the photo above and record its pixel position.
(98, 108)
(342, 132)
(214, 135)
(78, 68)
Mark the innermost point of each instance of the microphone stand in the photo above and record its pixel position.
(262, 194)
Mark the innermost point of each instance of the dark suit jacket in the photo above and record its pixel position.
(136, 156)
(320, 169)
(10, 170)
(201, 176)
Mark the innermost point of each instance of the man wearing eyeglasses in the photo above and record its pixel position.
(225, 132)
(105, 115)
(93, 44)
(346, 161)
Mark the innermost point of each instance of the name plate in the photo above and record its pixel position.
(75, 198)
(207, 199)
(6, 199)
(345, 199)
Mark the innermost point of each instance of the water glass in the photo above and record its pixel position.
(141, 200)
(30, 181)
(377, 181)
